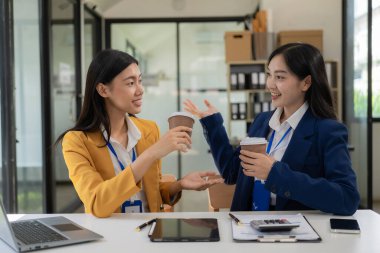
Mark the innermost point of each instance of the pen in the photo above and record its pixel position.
(235, 218)
(145, 224)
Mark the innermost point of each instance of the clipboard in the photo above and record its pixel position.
(244, 232)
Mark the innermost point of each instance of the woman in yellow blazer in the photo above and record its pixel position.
(112, 155)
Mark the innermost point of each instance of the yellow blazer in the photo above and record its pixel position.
(92, 172)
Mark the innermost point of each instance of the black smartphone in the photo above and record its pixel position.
(350, 226)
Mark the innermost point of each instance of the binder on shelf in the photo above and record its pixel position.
(234, 82)
(234, 110)
(242, 110)
(262, 80)
(248, 80)
(257, 108)
(272, 106)
(241, 81)
(260, 96)
(266, 106)
(329, 73)
(254, 80)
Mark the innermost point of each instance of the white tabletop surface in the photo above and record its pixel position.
(120, 235)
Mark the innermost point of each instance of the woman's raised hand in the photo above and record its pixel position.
(199, 180)
(193, 109)
(175, 139)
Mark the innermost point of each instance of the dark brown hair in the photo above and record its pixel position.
(106, 65)
(303, 60)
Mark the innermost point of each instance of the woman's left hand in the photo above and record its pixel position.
(199, 180)
(256, 164)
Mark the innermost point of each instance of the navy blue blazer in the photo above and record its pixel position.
(314, 173)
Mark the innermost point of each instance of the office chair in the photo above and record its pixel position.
(168, 178)
(220, 195)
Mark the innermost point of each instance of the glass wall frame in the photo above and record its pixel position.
(8, 133)
(358, 88)
(28, 112)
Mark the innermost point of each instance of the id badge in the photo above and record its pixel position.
(132, 207)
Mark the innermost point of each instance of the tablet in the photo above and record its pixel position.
(184, 230)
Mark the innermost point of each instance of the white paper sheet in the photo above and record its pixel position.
(246, 232)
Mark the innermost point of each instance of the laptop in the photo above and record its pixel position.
(42, 233)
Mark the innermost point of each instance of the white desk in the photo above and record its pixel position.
(120, 235)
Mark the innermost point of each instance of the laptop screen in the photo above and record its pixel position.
(5, 231)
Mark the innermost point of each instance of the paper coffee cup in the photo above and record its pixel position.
(181, 119)
(254, 144)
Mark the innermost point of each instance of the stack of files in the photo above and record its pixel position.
(244, 231)
(238, 111)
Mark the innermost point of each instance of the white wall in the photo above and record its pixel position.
(321, 14)
(176, 8)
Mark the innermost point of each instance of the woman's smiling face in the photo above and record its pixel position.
(125, 91)
(286, 89)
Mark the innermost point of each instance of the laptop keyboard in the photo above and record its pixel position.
(32, 232)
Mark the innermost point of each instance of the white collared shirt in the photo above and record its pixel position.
(274, 123)
(125, 156)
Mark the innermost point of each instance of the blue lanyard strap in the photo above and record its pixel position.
(109, 145)
(272, 137)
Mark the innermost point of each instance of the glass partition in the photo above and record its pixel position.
(376, 100)
(63, 92)
(356, 92)
(203, 75)
(28, 105)
(375, 59)
(154, 46)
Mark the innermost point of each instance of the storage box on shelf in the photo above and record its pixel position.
(313, 37)
(238, 46)
(248, 46)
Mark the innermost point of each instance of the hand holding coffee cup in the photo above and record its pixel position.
(254, 160)
(181, 119)
(254, 144)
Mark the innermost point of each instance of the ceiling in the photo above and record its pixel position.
(172, 8)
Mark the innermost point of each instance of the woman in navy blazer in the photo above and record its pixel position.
(315, 170)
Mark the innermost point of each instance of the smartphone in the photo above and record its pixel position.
(350, 226)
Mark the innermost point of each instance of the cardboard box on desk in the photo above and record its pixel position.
(238, 46)
(313, 37)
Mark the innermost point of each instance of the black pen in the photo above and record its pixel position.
(235, 218)
(145, 224)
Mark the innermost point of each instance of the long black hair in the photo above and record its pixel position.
(303, 60)
(104, 67)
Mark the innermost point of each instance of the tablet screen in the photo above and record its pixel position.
(185, 230)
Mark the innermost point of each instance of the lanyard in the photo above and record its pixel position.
(117, 158)
(272, 137)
